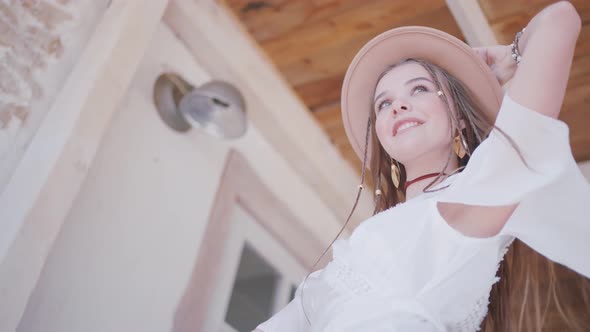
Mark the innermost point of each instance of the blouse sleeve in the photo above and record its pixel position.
(553, 215)
(289, 319)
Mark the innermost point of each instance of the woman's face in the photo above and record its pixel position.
(408, 92)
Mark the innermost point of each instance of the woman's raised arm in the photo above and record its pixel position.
(547, 49)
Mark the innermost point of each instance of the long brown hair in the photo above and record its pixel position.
(528, 281)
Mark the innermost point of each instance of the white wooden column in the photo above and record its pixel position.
(44, 185)
(472, 22)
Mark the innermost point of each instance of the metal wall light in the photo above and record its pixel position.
(216, 107)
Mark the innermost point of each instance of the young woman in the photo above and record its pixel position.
(461, 171)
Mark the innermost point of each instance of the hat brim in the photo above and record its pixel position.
(424, 43)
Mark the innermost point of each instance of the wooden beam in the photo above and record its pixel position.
(43, 187)
(473, 23)
(220, 43)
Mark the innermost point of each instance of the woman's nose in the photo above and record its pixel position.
(400, 106)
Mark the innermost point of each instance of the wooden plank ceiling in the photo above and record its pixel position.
(312, 42)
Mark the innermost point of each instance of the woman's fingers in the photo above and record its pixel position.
(483, 54)
(499, 60)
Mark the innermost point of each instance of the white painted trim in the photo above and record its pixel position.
(229, 261)
(281, 296)
(245, 228)
(276, 234)
(227, 328)
(472, 22)
(268, 247)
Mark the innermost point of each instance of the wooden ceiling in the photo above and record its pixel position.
(312, 42)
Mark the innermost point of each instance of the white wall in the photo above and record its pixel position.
(125, 252)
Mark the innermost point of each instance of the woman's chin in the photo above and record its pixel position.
(406, 147)
(403, 156)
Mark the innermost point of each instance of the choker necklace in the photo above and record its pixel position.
(408, 183)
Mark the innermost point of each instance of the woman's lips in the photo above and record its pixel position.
(405, 126)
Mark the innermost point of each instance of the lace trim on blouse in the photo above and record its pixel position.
(478, 312)
(342, 277)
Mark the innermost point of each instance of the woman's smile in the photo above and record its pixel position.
(406, 127)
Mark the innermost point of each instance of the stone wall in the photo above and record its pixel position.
(39, 42)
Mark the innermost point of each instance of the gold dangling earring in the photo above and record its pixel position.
(459, 146)
(395, 174)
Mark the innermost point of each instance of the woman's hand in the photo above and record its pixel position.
(499, 59)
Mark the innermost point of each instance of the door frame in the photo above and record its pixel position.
(240, 185)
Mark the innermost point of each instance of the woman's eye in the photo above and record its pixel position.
(383, 104)
(419, 88)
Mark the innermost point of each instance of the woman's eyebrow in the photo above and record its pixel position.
(410, 81)
(379, 96)
(418, 79)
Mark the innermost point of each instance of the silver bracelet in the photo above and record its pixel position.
(514, 47)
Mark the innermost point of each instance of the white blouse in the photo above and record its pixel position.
(406, 269)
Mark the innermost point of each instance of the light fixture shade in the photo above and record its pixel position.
(216, 107)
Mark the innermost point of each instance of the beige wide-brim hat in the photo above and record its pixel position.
(395, 45)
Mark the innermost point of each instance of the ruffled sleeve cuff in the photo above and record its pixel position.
(553, 215)
(496, 175)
